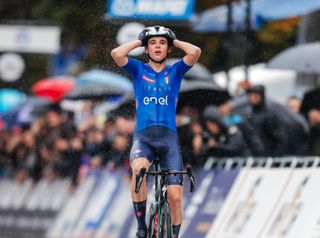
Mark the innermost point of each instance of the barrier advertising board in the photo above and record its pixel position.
(29, 210)
(68, 216)
(206, 202)
(250, 202)
(297, 211)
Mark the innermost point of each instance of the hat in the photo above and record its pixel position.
(311, 100)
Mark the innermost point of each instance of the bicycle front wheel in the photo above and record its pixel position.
(165, 229)
(152, 223)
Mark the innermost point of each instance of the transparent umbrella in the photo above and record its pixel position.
(198, 71)
(103, 77)
(94, 91)
(304, 58)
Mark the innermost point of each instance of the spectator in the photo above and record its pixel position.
(310, 109)
(314, 120)
(220, 140)
(124, 125)
(188, 125)
(93, 142)
(267, 123)
(118, 155)
(294, 104)
(250, 136)
(297, 129)
(3, 153)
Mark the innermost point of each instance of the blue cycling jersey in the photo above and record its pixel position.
(156, 93)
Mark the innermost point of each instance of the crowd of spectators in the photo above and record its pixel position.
(54, 145)
(250, 125)
(58, 144)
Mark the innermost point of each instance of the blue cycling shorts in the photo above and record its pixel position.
(161, 142)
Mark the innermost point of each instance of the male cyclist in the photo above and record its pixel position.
(156, 88)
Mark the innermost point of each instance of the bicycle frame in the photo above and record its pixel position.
(160, 206)
(160, 197)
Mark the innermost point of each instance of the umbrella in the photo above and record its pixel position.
(198, 71)
(103, 77)
(125, 108)
(94, 91)
(304, 58)
(199, 94)
(25, 113)
(10, 98)
(53, 89)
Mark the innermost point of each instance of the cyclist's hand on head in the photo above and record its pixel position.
(172, 35)
(143, 37)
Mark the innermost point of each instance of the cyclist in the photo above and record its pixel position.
(156, 88)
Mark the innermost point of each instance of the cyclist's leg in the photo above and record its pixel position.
(140, 151)
(175, 194)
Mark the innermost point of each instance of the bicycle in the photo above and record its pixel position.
(159, 221)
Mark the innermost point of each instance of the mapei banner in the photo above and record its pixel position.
(151, 9)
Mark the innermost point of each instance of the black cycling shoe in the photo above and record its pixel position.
(141, 234)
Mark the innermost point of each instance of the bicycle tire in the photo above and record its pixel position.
(151, 222)
(166, 226)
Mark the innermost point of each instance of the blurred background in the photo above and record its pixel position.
(67, 116)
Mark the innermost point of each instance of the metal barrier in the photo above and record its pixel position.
(268, 162)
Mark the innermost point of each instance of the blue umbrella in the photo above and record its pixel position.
(9, 98)
(98, 76)
(24, 113)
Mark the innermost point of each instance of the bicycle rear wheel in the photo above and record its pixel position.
(165, 229)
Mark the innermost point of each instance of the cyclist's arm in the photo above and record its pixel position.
(120, 54)
(192, 52)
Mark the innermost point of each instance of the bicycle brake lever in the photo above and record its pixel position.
(192, 179)
(139, 178)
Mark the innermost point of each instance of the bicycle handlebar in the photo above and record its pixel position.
(164, 172)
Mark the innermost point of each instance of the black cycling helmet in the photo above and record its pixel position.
(153, 31)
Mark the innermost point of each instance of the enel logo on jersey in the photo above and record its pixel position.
(162, 100)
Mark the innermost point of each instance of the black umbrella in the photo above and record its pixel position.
(199, 94)
(94, 92)
(198, 71)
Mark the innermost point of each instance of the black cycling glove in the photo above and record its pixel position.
(172, 35)
(142, 37)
